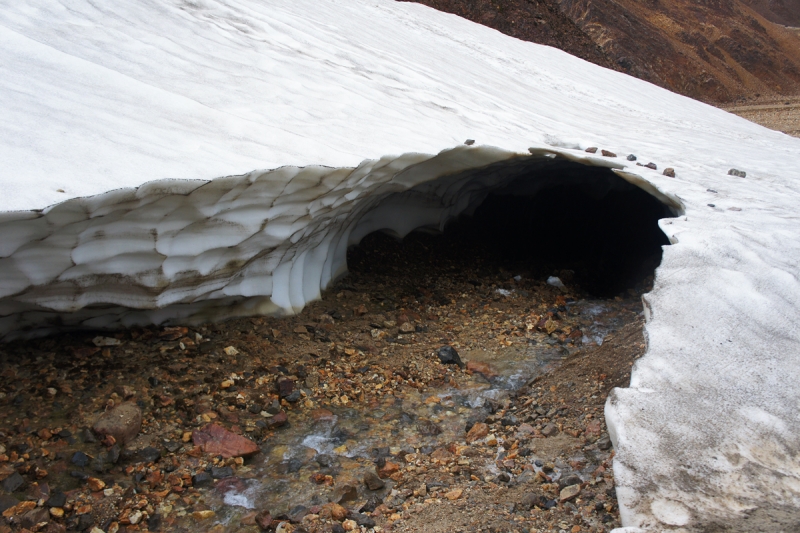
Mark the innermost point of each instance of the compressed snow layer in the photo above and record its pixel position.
(103, 96)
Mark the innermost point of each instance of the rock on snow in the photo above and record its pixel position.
(142, 127)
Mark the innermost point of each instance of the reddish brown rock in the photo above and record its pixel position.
(478, 431)
(388, 469)
(278, 420)
(481, 368)
(122, 423)
(322, 415)
(216, 440)
(264, 519)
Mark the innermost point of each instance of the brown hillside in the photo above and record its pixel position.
(713, 50)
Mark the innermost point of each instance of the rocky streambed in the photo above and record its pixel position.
(437, 388)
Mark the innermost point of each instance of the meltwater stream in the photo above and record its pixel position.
(324, 454)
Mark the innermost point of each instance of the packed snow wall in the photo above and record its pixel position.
(267, 242)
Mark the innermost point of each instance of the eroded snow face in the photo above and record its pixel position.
(262, 243)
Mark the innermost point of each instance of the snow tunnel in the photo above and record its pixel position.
(269, 242)
(583, 223)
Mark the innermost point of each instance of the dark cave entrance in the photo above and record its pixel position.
(585, 225)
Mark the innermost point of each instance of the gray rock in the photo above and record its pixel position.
(737, 173)
(449, 356)
(12, 483)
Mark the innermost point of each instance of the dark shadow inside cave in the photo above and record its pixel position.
(584, 224)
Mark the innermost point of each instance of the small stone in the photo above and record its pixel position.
(44, 434)
(337, 512)
(264, 520)
(567, 493)
(150, 454)
(345, 493)
(12, 483)
(388, 469)
(349, 525)
(606, 153)
(105, 341)
(294, 396)
(361, 310)
(57, 512)
(96, 484)
(651, 166)
(449, 356)
(407, 327)
(135, 517)
(669, 172)
(549, 430)
(454, 494)
(221, 472)
(478, 431)
(216, 440)
(737, 173)
(631, 157)
(123, 423)
(469, 142)
(285, 387)
(202, 479)
(56, 499)
(592, 149)
(604, 443)
(231, 351)
(373, 482)
(203, 515)
(278, 420)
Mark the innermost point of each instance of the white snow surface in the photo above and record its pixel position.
(173, 96)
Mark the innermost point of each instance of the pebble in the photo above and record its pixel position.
(737, 173)
(606, 153)
(631, 157)
(96, 484)
(373, 482)
(478, 431)
(202, 479)
(122, 423)
(592, 149)
(202, 515)
(12, 483)
(449, 356)
(150, 454)
(567, 493)
(669, 172)
(549, 430)
(216, 440)
(454, 494)
(221, 472)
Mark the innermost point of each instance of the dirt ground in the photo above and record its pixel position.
(781, 114)
(536, 459)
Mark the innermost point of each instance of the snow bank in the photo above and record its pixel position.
(169, 96)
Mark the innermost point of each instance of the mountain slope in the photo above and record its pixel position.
(712, 50)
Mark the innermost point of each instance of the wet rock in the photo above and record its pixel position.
(80, 459)
(216, 440)
(150, 454)
(606, 153)
(482, 368)
(669, 172)
(345, 493)
(478, 431)
(604, 443)
(567, 493)
(372, 503)
(12, 483)
(449, 356)
(202, 479)
(327, 461)
(122, 423)
(96, 484)
(221, 472)
(737, 173)
(274, 408)
(373, 482)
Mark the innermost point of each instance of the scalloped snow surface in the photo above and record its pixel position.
(98, 97)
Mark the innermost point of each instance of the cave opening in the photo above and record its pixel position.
(586, 225)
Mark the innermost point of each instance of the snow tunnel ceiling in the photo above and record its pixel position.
(269, 242)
